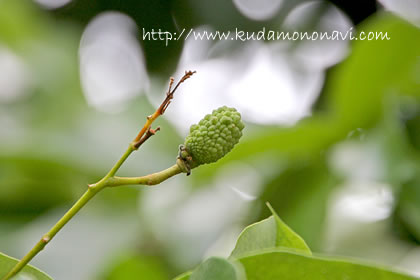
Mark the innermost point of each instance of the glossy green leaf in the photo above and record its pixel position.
(268, 234)
(276, 265)
(28, 273)
(216, 268)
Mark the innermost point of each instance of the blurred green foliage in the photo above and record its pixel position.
(23, 178)
(375, 91)
(123, 268)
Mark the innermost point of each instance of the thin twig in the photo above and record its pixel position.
(162, 108)
(110, 180)
(150, 132)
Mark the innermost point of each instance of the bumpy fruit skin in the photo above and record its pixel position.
(214, 136)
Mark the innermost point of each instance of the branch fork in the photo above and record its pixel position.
(110, 180)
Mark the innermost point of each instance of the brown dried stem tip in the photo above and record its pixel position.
(170, 93)
(150, 132)
(142, 137)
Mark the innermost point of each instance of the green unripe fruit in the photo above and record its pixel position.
(213, 137)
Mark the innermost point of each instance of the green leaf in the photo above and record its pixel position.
(28, 273)
(216, 268)
(267, 234)
(276, 265)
